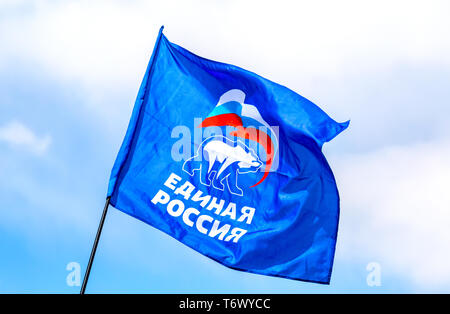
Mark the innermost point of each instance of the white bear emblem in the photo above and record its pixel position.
(226, 159)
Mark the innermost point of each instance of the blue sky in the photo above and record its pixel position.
(69, 74)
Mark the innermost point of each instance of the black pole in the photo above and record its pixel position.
(94, 247)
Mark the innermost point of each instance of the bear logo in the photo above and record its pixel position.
(223, 160)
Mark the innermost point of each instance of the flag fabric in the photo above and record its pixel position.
(230, 164)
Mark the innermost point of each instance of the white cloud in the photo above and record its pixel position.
(8, 4)
(105, 45)
(17, 134)
(395, 209)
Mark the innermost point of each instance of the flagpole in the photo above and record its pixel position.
(105, 209)
(94, 247)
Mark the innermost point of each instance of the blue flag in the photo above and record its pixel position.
(230, 164)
